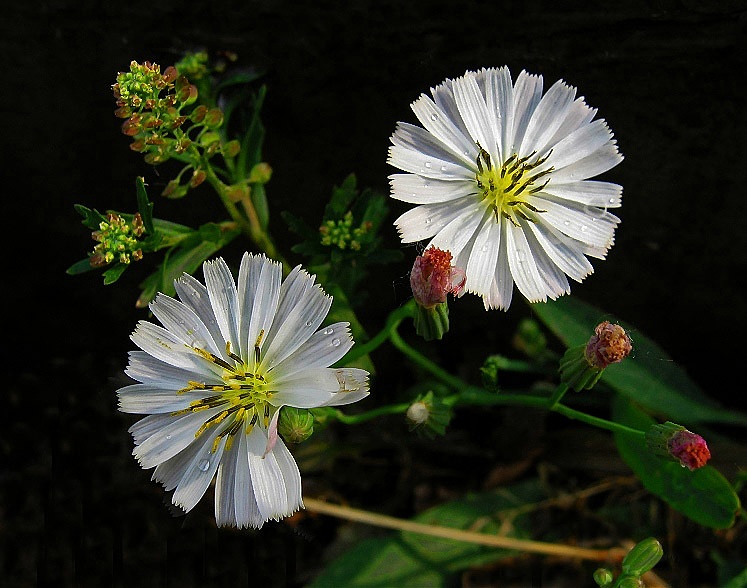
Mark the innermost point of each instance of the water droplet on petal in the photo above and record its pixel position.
(168, 437)
(443, 168)
(567, 223)
(521, 255)
(434, 116)
(484, 248)
(328, 331)
(584, 228)
(308, 323)
(428, 164)
(612, 200)
(335, 342)
(204, 465)
(428, 221)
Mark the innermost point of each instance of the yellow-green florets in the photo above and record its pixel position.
(342, 234)
(118, 240)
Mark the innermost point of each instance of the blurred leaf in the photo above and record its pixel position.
(80, 267)
(703, 495)
(412, 559)
(648, 376)
(114, 273)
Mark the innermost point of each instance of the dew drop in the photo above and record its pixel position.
(434, 116)
(584, 228)
(484, 248)
(567, 223)
(428, 164)
(308, 323)
(203, 465)
(328, 331)
(428, 221)
(521, 255)
(443, 168)
(168, 437)
(335, 342)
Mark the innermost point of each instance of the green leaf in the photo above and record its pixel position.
(144, 206)
(649, 377)
(92, 218)
(412, 559)
(703, 495)
(80, 267)
(259, 200)
(113, 274)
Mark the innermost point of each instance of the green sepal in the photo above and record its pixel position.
(643, 557)
(432, 323)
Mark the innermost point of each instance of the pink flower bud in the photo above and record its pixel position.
(689, 449)
(609, 344)
(433, 277)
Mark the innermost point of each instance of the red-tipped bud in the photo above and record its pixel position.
(675, 442)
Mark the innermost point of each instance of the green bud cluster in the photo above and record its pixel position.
(342, 234)
(117, 241)
(163, 123)
(639, 560)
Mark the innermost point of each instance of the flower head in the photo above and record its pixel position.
(582, 366)
(213, 379)
(500, 174)
(675, 442)
(433, 277)
(609, 344)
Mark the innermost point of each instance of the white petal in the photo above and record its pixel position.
(264, 305)
(523, 267)
(548, 117)
(302, 313)
(580, 144)
(146, 369)
(457, 234)
(416, 189)
(267, 478)
(314, 387)
(199, 473)
(250, 271)
(167, 347)
(484, 257)
(600, 161)
(589, 225)
(416, 151)
(291, 476)
(171, 439)
(424, 221)
(192, 293)
(146, 399)
(222, 292)
(562, 251)
(499, 92)
(474, 111)
(554, 279)
(324, 348)
(441, 126)
(578, 115)
(527, 94)
(593, 193)
(182, 321)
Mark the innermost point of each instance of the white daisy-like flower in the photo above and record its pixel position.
(214, 377)
(500, 174)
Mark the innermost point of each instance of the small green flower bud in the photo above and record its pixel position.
(643, 557)
(261, 173)
(428, 415)
(603, 577)
(295, 424)
(198, 176)
(232, 149)
(198, 114)
(214, 118)
(432, 323)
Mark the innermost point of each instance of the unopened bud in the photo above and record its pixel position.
(643, 557)
(675, 442)
(295, 424)
(609, 344)
(603, 577)
(428, 415)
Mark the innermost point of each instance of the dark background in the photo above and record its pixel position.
(666, 75)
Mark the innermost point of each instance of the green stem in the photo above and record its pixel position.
(557, 396)
(354, 419)
(595, 421)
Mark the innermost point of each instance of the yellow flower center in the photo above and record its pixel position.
(244, 395)
(507, 189)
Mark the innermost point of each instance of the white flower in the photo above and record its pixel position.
(500, 173)
(215, 376)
